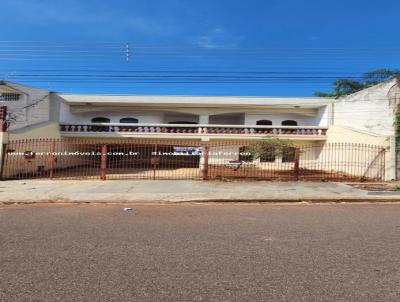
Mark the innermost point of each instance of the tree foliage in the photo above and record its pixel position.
(397, 128)
(343, 87)
(268, 146)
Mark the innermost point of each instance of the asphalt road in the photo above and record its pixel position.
(200, 253)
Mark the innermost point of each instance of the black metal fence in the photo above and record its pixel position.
(167, 159)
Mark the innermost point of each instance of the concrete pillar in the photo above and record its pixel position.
(331, 114)
(205, 141)
(204, 119)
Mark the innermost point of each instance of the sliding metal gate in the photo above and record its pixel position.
(150, 159)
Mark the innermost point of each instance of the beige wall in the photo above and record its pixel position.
(44, 130)
(16, 164)
(371, 109)
(343, 134)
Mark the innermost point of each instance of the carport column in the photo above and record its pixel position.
(204, 119)
(3, 137)
(204, 158)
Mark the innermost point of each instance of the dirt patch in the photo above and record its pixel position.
(221, 172)
(386, 186)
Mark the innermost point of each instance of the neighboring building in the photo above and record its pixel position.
(365, 117)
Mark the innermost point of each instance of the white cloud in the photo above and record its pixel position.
(217, 38)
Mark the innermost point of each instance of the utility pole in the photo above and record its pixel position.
(127, 52)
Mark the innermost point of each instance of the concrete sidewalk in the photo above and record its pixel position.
(170, 191)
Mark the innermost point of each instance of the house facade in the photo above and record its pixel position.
(366, 117)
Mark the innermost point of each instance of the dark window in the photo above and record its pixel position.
(264, 123)
(9, 97)
(100, 120)
(183, 123)
(289, 123)
(288, 155)
(245, 155)
(130, 120)
(268, 155)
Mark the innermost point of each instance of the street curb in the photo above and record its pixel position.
(197, 201)
(384, 193)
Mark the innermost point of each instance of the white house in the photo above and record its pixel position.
(366, 117)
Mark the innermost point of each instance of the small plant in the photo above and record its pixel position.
(363, 179)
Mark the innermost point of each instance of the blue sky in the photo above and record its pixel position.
(310, 38)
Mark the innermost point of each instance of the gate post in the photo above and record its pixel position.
(3, 137)
(103, 165)
(296, 163)
(205, 164)
(52, 159)
(154, 160)
(3, 148)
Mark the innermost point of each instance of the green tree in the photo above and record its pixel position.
(343, 87)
